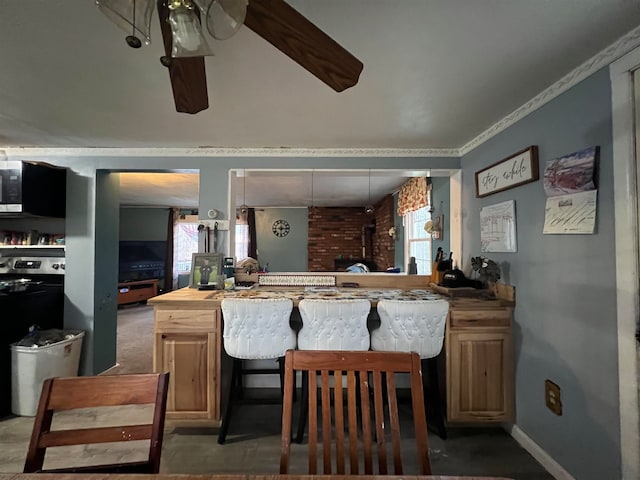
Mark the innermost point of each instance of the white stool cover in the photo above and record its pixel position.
(334, 324)
(256, 328)
(416, 326)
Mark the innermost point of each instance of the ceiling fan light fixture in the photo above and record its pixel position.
(225, 17)
(132, 16)
(186, 31)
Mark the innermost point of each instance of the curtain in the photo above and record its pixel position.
(251, 221)
(169, 281)
(413, 195)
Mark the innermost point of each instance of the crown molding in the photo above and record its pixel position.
(600, 60)
(227, 152)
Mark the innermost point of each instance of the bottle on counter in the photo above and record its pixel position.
(412, 268)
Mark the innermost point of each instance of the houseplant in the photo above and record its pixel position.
(487, 271)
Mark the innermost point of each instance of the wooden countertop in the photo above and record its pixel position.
(202, 298)
(167, 476)
(372, 287)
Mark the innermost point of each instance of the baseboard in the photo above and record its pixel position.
(536, 451)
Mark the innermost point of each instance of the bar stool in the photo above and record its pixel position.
(330, 325)
(416, 326)
(254, 329)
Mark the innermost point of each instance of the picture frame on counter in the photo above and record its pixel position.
(205, 269)
(515, 170)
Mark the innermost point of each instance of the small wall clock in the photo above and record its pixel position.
(280, 228)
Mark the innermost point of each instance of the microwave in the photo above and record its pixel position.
(32, 189)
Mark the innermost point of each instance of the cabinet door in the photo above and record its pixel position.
(189, 357)
(480, 382)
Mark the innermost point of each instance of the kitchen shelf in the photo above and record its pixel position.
(31, 246)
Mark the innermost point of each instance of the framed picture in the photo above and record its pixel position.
(205, 268)
(498, 227)
(517, 169)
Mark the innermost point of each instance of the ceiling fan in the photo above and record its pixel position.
(273, 20)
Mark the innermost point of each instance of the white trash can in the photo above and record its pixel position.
(31, 366)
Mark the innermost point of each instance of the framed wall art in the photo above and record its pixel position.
(205, 268)
(517, 169)
(498, 227)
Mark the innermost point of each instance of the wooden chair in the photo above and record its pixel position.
(372, 367)
(64, 394)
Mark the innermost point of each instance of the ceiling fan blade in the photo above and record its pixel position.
(187, 74)
(291, 33)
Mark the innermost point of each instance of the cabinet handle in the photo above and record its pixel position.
(164, 336)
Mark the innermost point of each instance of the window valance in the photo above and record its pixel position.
(413, 195)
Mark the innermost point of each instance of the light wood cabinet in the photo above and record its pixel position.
(187, 345)
(479, 356)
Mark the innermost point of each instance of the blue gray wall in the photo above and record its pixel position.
(283, 254)
(143, 223)
(565, 316)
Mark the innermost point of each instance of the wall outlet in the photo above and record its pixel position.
(552, 397)
(222, 224)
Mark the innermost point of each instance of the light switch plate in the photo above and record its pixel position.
(553, 400)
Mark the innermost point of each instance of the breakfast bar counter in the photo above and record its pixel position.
(188, 344)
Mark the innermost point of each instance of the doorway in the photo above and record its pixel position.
(627, 233)
(150, 206)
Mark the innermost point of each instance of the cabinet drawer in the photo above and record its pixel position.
(481, 318)
(186, 320)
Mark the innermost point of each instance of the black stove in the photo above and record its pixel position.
(31, 293)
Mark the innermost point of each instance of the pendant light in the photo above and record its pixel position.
(312, 171)
(368, 209)
(132, 16)
(243, 208)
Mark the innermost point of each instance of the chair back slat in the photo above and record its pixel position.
(287, 413)
(353, 422)
(339, 422)
(325, 395)
(378, 410)
(88, 436)
(365, 409)
(370, 384)
(92, 392)
(420, 418)
(313, 423)
(64, 394)
(394, 422)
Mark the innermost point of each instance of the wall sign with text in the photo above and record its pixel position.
(517, 169)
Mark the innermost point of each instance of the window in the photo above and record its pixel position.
(242, 238)
(185, 243)
(417, 240)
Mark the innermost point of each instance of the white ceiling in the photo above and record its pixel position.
(437, 73)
